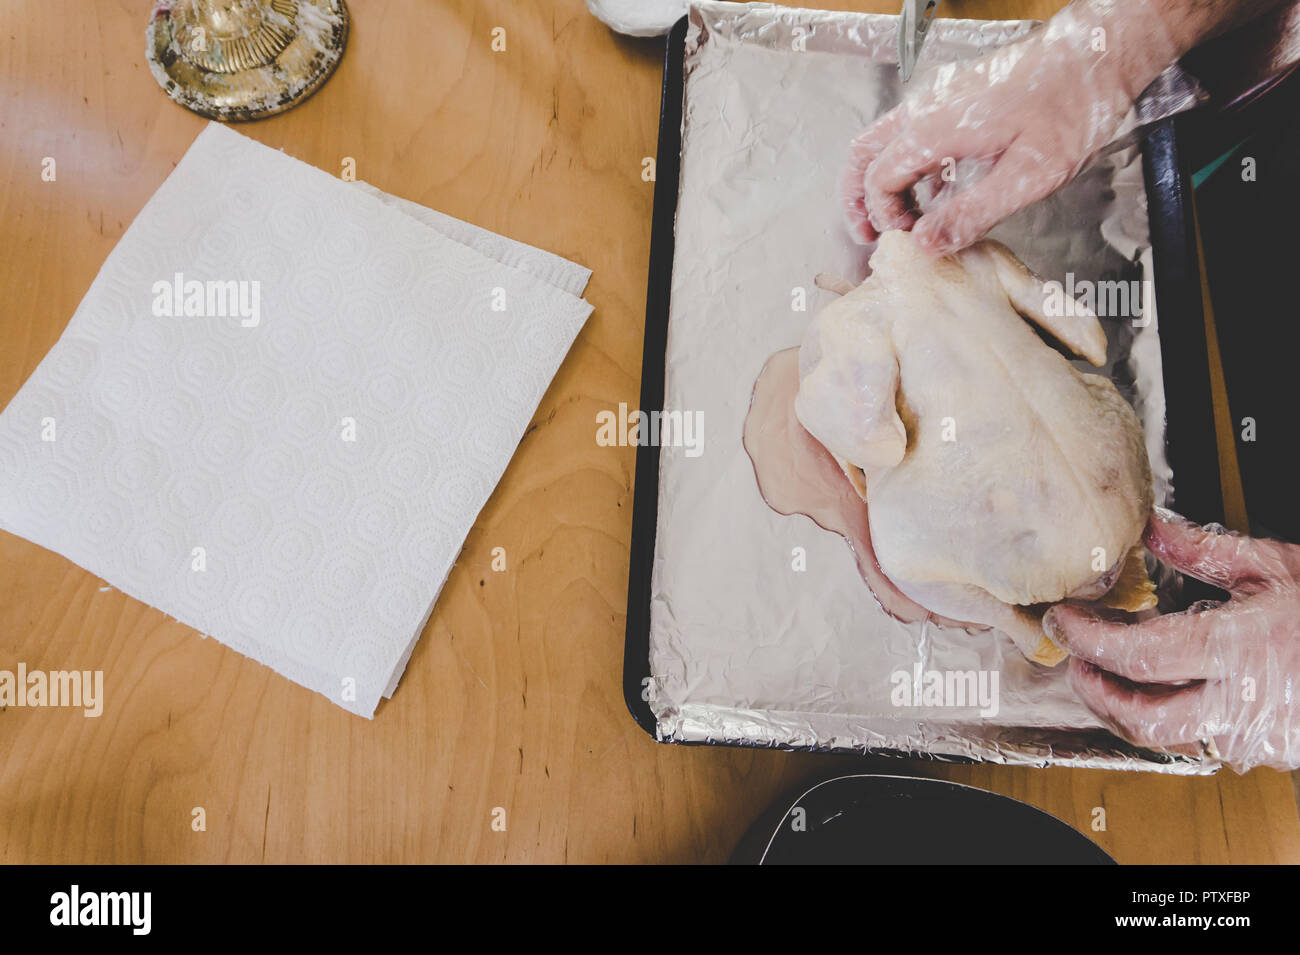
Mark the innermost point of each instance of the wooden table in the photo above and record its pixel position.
(513, 698)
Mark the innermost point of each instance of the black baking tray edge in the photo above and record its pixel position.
(1190, 434)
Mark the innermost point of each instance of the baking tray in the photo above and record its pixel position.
(1190, 435)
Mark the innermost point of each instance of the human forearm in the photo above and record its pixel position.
(1147, 36)
(1192, 22)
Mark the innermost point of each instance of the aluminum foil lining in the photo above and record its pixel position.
(744, 648)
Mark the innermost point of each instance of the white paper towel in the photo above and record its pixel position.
(203, 465)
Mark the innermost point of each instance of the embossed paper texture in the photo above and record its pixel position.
(294, 477)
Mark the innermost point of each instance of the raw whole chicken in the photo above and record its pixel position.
(998, 479)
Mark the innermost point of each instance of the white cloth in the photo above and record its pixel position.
(203, 465)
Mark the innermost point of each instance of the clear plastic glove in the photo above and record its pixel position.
(1227, 673)
(1035, 111)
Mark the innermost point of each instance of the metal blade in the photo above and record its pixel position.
(913, 23)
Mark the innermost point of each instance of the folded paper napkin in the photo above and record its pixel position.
(280, 407)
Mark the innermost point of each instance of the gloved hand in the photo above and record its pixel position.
(1037, 109)
(1228, 673)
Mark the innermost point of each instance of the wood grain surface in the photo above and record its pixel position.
(513, 698)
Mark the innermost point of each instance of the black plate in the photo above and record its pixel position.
(1190, 416)
(905, 820)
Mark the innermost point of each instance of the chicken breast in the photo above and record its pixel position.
(997, 475)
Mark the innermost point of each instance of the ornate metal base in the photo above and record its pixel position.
(244, 59)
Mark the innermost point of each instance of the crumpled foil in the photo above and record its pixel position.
(744, 648)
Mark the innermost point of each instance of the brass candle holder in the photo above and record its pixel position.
(244, 59)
